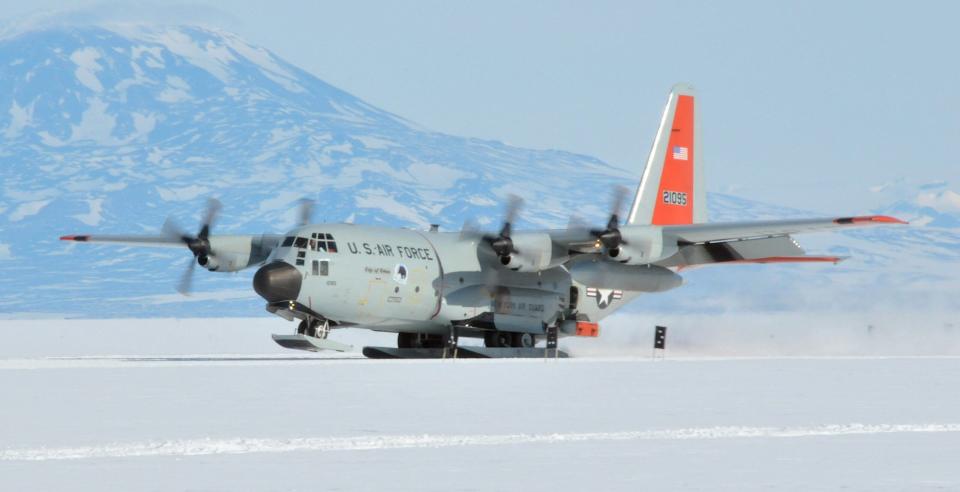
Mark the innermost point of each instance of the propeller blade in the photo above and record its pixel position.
(577, 223)
(610, 236)
(491, 280)
(470, 230)
(172, 230)
(305, 212)
(198, 245)
(186, 280)
(213, 209)
(514, 203)
(619, 195)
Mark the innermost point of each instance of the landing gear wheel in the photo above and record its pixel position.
(302, 328)
(524, 340)
(320, 329)
(498, 339)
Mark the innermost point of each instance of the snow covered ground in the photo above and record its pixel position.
(212, 405)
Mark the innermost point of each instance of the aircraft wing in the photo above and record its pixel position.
(576, 240)
(132, 240)
(729, 231)
(756, 242)
(164, 241)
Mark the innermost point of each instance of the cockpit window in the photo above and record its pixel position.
(287, 242)
(324, 243)
(301, 242)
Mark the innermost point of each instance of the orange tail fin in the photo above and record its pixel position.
(671, 191)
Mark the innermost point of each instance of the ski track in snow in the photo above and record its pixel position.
(202, 447)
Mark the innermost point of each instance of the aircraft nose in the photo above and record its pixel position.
(277, 281)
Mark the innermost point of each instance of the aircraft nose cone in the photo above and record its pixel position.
(277, 281)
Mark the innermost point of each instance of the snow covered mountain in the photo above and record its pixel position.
(113, 128)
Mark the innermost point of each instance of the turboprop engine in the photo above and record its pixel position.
(632, 245)
(217, 253)
(642, 246)
(606, 274)
(523, 252)
(531, 252)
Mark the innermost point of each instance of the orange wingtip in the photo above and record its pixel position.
(75, 238)
(863, 219)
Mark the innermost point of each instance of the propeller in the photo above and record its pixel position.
(305, 212)
(199, 245)
(611, 237)
(502, 244)
(470, 230)
(576, 223)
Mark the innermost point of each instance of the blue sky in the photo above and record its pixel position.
(807, 104)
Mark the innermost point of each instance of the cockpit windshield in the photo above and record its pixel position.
(323, 242)
(318, 242)
(299, 242)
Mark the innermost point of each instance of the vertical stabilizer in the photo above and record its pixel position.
(671, 190)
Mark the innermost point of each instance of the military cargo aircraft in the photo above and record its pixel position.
(510, 288)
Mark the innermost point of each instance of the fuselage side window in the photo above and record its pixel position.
(287, 242)
(316, 267)
(324, 268)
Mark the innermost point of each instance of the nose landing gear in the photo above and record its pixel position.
(314, 328)
(311, 336)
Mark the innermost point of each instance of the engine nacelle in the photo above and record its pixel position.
(606, 274)
(535, 252)
(643, 246)
(233, 253)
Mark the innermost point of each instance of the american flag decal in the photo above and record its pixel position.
(680, 153)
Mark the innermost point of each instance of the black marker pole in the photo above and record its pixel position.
(659, 341)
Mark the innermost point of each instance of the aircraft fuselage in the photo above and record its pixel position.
(402, 280)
